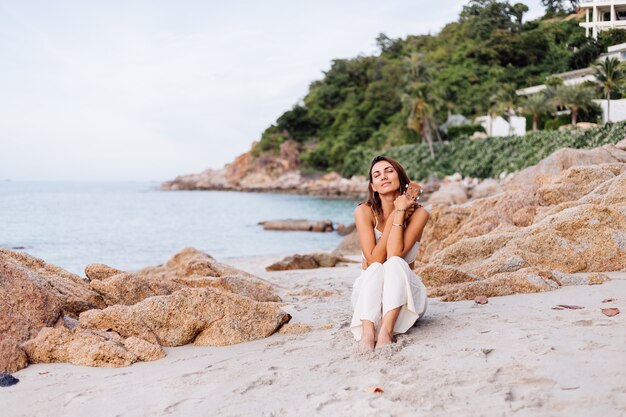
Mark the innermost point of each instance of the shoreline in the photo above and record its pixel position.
(514, 355)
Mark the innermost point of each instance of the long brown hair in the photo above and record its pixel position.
(373, 199)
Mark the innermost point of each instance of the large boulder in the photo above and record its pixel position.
(530, 237)
(449, 193)
(33, 295)
(565, 158)
(202, 316)
(89, 348)
(72, 291)
(188, 268)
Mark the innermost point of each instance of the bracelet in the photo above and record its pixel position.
(400, 209)
(397, 224)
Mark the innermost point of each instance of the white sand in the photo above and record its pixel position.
(513, 356)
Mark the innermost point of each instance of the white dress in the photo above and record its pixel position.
(383, 287)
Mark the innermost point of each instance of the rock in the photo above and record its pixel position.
(350, 245)
(70, 290)
(12, 357)
(6, 380)
(486, 188)
(566, 158)
(344, 230)
(188, 268)
(532, 236)
(299, 225)
(25, 307)
(310, 261)
(296, 328)
(100, 271)
(89, 348)
(202, 316)
(522, 281)
(449, 194)
(436, 275)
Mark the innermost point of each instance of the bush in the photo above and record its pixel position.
(487, 158)
(357, 161)
(463, 131)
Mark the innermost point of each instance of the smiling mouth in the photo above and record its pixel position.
(385, 184)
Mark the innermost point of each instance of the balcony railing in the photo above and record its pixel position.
(600, 2)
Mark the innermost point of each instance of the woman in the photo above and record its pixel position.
(388, 296)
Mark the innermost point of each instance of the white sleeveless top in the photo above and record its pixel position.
(410, 256)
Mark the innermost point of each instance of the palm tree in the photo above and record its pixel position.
(574, 97)
(505, 100)
(419, 101)
(421, 118)
(609, 77)
(537, 104)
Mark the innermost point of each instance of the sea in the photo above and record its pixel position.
(129, 225)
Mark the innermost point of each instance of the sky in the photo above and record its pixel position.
(138, 90)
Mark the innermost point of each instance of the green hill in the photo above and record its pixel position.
(361, 105)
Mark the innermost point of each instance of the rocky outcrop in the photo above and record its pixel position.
(302, 225)
(192, 298)
(277, 173)
(532, 236)
(309, 261)
(567, 157)
(202, 316)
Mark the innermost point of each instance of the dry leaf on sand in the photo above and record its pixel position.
(609, 300)
(610, 311)
(374, 390)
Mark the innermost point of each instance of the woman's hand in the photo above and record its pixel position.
(402, 203)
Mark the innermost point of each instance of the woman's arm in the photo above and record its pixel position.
(372, 250)
(395, 243)
(414, 229)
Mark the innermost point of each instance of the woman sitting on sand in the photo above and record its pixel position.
(388, 296)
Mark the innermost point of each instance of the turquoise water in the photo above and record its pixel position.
(132, 225)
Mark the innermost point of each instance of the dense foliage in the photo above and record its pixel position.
(487, 158)
(361, 105)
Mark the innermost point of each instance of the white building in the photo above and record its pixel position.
(581, 75)
(603, 15)
(500, 127)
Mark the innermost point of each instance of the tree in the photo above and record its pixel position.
(573, 97)
(419, 101)
(610, 77)
(536, 104)
(517, 11)
(505, 100)
(559, 7)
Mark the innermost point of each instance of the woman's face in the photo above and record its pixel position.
(385, 178)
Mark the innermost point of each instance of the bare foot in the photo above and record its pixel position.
(368, 340)
(385, 338)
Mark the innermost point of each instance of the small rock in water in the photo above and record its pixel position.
(6, 380)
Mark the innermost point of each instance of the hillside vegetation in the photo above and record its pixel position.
(389, 102)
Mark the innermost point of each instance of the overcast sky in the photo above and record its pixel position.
(147, 90)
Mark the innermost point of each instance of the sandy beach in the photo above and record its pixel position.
(515, 355)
